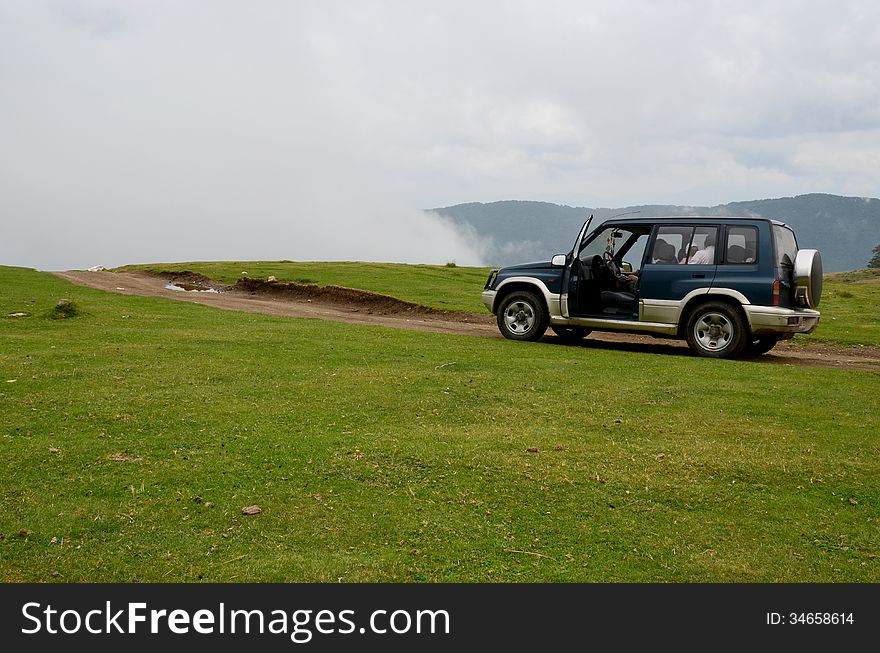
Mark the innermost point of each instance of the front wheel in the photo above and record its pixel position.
(522, 316)
(571, 334)
(716, 330)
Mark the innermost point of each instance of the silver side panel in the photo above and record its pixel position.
(661, 316)
(670, 310)
(659, 310)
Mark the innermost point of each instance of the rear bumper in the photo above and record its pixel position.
(769, 320)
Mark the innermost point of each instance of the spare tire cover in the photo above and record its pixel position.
(808, 278)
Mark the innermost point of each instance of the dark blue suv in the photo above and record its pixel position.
(729, 286)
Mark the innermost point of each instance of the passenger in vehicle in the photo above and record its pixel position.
(683, 257)
(705, 256)
(663, 252)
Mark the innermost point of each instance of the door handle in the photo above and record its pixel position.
(698, 276)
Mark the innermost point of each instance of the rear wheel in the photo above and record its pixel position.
(761, 345)
(716, 330)
(522, 316)
(571, 334)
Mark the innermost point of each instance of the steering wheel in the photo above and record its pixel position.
(612, 266)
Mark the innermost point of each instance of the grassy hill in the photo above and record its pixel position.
(134, 433)
(844, 229)
(849, 302)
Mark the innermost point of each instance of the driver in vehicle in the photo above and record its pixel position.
(629, 282)
(615, 279)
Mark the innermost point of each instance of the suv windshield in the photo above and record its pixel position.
(608, 240)
(786, 246)
(626, 241)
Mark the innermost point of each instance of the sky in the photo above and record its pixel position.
(179, 130)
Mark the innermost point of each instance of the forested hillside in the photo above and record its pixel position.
(844, 229)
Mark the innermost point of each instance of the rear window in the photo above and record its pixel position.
(742, 245)
(786, 246)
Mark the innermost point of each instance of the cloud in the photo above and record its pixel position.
(209, 144)
(317, 130)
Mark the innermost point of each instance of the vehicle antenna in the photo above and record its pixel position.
(622, 214)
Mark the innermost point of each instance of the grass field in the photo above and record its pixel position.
(851, 309)
(850, 302)
(135, 432)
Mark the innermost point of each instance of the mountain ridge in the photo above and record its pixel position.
(844, 229)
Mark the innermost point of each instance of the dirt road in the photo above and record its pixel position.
(351, 311)
(379, 311)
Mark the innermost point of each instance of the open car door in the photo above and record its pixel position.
(573, 274)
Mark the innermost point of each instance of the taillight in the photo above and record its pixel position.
(776, 293)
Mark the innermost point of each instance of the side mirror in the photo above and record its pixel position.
(626, 267)
(558, 261)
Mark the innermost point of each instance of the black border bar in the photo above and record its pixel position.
(518, 616)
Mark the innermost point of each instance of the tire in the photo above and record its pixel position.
(761, 345)
(570, 334)
(808, 278)
(522, 316)
(716, 330)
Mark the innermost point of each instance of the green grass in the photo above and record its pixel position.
(850, 309)
(438, 286)
(863, 275)
(385, 455)
(850, 301)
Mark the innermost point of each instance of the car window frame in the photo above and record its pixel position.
(727, 229)
(693, 226)
(655, 234)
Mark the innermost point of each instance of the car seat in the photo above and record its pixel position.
(736, 254)
(664, 252)
(618, 299)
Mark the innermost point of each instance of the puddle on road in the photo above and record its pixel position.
(189, 287)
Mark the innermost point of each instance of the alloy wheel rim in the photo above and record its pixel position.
(713, 331)
(519, 317)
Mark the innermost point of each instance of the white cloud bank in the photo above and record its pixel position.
(143, 131)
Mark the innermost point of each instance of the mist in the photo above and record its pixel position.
(147, 131)
(170, 135)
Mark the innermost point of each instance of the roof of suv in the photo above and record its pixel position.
(690, 218)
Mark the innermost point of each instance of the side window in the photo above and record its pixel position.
(742, 245)
(670, 246)
(701, 250)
